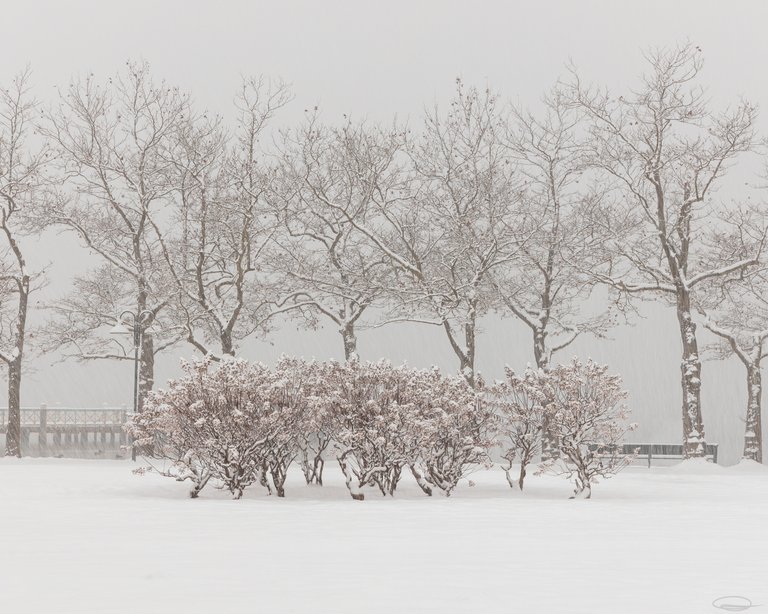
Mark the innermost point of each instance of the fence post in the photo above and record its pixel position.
(42, 434)
(123, 420)
(650, 455)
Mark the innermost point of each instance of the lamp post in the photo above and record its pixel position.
(136, 324)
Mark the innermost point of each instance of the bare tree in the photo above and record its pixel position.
(22, 189)
(111, 141)
(217, 248)
(333, 269)
(465, 194)
(738, 315)
(546, 286)
(451, 223)
(665, 151)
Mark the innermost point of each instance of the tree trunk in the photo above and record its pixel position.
(317, 469)
(350, 341)
(523, 473)
(352, 484)
(549, 449)
(540, 349)
(261, 477)
(146, 367)
(227, 347)
(198, 485)
(466, 356)
(753, 435)
(694, 444)
(508, 475)
(146, 382)
(582, 491)
(13, 432)
(421, 480)
(583, 488)
(278, 472)
(468, 369)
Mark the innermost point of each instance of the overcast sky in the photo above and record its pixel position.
(376, 59)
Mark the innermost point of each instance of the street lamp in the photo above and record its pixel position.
(135, 326)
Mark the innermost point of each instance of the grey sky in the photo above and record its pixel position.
(377, 59)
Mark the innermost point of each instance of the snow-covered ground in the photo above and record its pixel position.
(89, 536)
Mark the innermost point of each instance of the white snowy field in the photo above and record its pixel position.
(89, 536)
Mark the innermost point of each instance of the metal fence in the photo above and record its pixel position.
(72, 432)
(648, 452)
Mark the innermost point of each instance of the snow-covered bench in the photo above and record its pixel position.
(661, 451)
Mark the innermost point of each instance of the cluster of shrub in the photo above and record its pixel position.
(239, 424)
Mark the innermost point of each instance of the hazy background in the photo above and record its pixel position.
(376, 59)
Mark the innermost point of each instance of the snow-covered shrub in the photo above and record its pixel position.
(522, 406)
(162, 431)
(240, 424)
(393, 418)
(278, 426)
(305, 392)
(589, 420)
(316, 398)
(370, 441)
(235, 423)
(449, 428)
